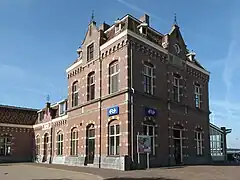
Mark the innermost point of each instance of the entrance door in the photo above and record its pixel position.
(90, 145)
(45, 147)
(178, 146)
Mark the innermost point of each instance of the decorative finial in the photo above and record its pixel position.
(175, 19)
(92, 17)
(48, 98)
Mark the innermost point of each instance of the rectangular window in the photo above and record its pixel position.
(114, 140)
(114, 77)
(62, 108)
(91, 87)
(90, 51)
(118, 27)
(38, 145)
(148, 79)
(74, 143)
(177, 89)
(197, 93)
(199, 142)
(5, 146)
(60, 144)
(149, 130)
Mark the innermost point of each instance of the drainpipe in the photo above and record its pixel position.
(100, 113)
(131, 99)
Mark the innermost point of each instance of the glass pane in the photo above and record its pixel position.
(111, 145)
(117, 145)
(150, 133)
(176, 133)
(144, 130)
(111, 130)
(117, 129)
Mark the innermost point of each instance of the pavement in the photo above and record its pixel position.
(33, 171)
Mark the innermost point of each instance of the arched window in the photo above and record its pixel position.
(148, 78)
(38, 145)
(114, 138)
(113, 77)
(199, 141)
(91, 86)
(75, 94)
(74, 142)
(60, 143)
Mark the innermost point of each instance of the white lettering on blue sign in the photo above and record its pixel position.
(150, 112)
(113, 111)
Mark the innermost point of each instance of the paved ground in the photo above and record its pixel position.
(60, 172)
(30, 172)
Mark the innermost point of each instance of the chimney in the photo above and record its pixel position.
(145, 19)
(104, 26)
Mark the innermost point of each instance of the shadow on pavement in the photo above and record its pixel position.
(130, 178)
(53, 179)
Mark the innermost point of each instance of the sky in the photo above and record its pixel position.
(39, 38)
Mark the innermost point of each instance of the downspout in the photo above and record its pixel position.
(131, 99)
(100, 113)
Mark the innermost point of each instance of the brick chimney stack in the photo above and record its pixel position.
(145, 19)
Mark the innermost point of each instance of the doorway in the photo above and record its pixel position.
(90, 144)
(45, 147)
(178, 141)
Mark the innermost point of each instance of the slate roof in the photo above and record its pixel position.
(17, 115)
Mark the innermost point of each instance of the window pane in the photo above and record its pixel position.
(111, 130)
(144, 130)
(150, 133)
(117, 145)
(111, 145)
(117, 129)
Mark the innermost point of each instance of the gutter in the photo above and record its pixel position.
(131, 102)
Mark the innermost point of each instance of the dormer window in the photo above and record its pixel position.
(62, 108)
(143, 28)
(117, 27)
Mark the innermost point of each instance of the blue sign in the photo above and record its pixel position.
(150, 112)
(113, 111)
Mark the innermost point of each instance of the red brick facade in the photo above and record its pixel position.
(129, 79)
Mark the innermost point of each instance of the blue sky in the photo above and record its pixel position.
(39, 38)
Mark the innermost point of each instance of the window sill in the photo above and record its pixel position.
(113, 156)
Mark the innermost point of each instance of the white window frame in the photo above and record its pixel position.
(118, 27)
(59, 144)
(38, 145)
(153, 150)
(90, 84)
(176, 83)
(199, 142)
(114, 135)
(6, 145)
(115, 66)
(74, 149)
(146, 73)
(76, 83)
(62, 106)
(197, 92)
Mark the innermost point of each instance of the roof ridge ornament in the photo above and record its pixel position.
(175, 19)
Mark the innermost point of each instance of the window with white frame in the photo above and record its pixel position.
(62, 108)
(5, 145)
(90, 52)
(177, 89)
(216, 142)
(148, 78)
(91, 86)
(197, 93)
(114, 139)
(60, 144)
(199, 142)
(149, 130)
(113, 77)
(75, 94)
(74, 142)
(38, 145)
(118, 27)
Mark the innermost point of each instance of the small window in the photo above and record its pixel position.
(114, 77)
(118, 27)
(143, 30)
(75, 94)
(91, 86)
(148, 79)
(197, 93)
(177, 89)
(199, 142)
(5, 146)
(90, 51)
(62, 109)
